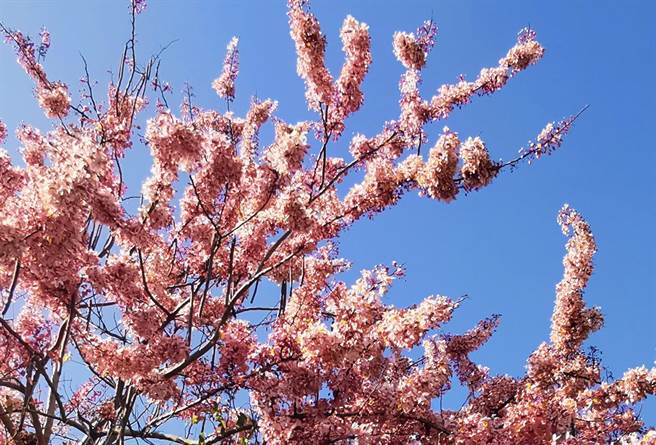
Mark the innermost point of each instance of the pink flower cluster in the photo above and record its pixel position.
(477, 169)
(549, 139)
(3, 132)
(571, 321)
(224, 85)
(411, 49)
(437, 176)
(139, 6)
(310, 47)
(527, 51)
(53, 97)
(357, 48)
(257, 115)
(54, 100)
(286, 154)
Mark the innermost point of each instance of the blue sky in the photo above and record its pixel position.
(501, 246)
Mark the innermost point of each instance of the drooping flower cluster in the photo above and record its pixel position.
(178, 311)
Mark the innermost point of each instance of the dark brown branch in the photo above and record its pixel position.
(12, 287)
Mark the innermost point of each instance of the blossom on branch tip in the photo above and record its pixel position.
(224, 85)
(3, 132)
(411, 49)
(310, 49)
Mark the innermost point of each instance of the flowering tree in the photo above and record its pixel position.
(160, 306)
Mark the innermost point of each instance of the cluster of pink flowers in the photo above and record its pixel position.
(437, 176)
(414, 112)
(53, 97)
(224, 85)
(139, 5)
(527, 51)
(116, 123)
(310, 47)
(257, 115)
(403, 329)
(3, 132)
(477, 169)
(173, 142)
(572, 322)
(411, 49)
(11, 178)
(54, 100)
(459, 347)
(549, 139)
(286, 154)
(357, 48)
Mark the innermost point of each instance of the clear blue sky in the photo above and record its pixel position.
(501, 246)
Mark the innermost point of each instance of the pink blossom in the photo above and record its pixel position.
(11, 178)
(571, 321)
(224, 85)
(356, 46)
(3, 132)
(477, 169)
(173, 142)
(549, 139)
(54, 100)
(437, 175)
(52, 96)
(310, 50)
(526, 52)
(287, 152)
(411, 49)
(139, 6)
(257, 115)
(26, 57)
(414, 111)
